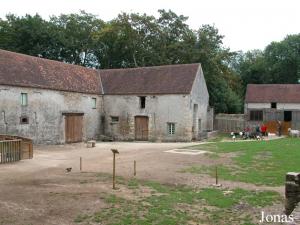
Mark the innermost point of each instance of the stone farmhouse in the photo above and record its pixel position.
(270, 103)
(54, 102)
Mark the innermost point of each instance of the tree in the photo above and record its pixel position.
(76, 37)
(222, 82)
(283, 60)
(278, 63)
(29, 35)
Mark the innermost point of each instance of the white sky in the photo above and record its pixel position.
(246, 24)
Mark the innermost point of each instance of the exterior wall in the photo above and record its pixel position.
(257, 106)
(199, 96)
(280, 106)
(160, 110)
(44, 110)
(270, 114)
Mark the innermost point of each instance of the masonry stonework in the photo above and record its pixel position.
(160, 110)
(45, 113)
(61, 100)
(292, 191)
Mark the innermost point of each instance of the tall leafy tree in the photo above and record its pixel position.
(76, 36)
(222, 81)
(283, 60)
(29, 35)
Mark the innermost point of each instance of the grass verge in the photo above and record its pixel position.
(257, 162)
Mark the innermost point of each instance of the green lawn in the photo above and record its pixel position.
(257, 162)
(169, 205)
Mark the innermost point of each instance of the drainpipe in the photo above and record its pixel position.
(4, 121)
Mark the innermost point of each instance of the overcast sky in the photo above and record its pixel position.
(246, 24)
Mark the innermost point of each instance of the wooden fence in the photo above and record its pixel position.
(13, 148)
(10, 151)
(229, 122)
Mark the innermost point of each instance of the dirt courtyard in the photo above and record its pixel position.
(40, 191)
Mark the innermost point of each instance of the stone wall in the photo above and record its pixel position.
(160, 109)
(292, 191)
(46, 110)
(200, 97)
(45, 113)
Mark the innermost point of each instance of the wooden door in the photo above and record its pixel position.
(73, 128)
(141, 128)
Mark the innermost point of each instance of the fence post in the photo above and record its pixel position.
(134, 168)
(80, 164)
(114, 151)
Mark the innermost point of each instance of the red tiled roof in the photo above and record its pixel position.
(28, 71)
(170, 79)
(266, 93)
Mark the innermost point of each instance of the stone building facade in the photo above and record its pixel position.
(45, 113)
(53, 102)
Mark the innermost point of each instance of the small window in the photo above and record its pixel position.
(24, 120)
(256, 115)
(94, 103)
(114, 119)
(142, 102)
(273, 105)
(171, 128)
(24, 99)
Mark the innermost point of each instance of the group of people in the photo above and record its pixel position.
(259, 130)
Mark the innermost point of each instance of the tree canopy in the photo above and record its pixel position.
(134, 40)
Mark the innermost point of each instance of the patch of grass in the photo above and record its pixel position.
(171, 205)
(81, 218)
(220, 137)
(258, 162)
(113, 199)
(225, 199)
(133, 183)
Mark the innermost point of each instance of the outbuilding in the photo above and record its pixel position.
(273, 104)
(54, 102)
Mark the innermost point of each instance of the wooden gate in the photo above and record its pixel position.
(272, 126)
(73, 127)
(10, 151)
(141, 128)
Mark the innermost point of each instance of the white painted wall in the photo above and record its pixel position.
(280, 106)
(257, 106)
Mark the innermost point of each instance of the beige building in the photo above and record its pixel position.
(53, 102)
